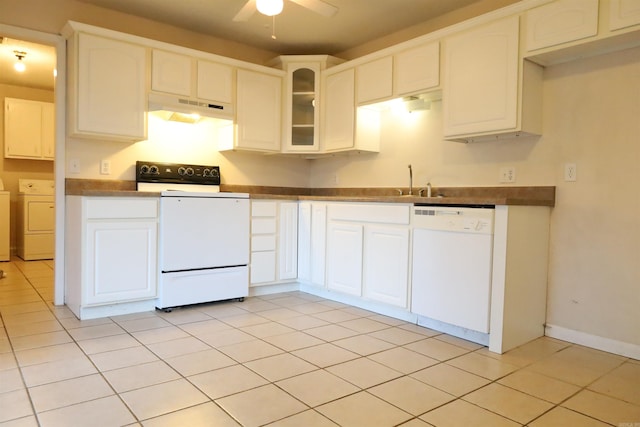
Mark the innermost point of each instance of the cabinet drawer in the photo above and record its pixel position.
(265, 242)
(383, 214)
(263, 267)
(263, 209)
(110, 208)
(263, 225)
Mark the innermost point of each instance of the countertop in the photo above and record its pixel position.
(507, 195)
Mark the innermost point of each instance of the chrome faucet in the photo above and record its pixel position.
(410, 181)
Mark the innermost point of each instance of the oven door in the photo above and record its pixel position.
(203, 232)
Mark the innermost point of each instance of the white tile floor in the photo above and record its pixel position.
(285, 360)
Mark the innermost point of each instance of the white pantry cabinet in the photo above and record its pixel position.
(560, 22)
(259, 111)
(274, 242)
(484, 90)
(368, 251)
(417, 69)
(107, 88)
(112, 250)
(28, 129)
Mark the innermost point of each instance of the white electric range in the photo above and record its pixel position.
(203, 237)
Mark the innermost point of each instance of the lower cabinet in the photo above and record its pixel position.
(111, 262)
(312, 243)
(386, 261)
(274, 242)
(368, 251)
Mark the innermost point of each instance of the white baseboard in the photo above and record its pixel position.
(594, 341)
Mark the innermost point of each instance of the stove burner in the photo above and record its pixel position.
(177, 173)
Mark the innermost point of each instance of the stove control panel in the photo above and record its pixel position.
(177, 173)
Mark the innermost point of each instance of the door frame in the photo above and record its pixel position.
(60, 91)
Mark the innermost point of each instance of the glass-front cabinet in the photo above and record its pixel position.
(301, 109)
(303, 129)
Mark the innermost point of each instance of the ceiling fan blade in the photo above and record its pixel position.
(246, 12)
(318, 6)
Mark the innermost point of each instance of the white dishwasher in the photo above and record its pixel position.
(452, 265)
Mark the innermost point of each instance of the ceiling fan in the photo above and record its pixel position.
(251, 6)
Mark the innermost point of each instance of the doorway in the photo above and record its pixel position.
(42, 55)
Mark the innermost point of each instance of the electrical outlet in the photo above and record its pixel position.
(507, 174)
(570, 172)
(336, 179)
(74, 165)
(105, 167)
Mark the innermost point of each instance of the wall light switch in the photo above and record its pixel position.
(105, 167)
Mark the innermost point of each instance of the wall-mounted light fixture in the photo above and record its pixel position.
(19, 65)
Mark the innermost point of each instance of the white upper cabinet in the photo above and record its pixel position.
(483, 90)
(623, 14)
(171, 73)
(301, 115)
(215, 82)
(339, 111)
(374, 80)
(259, 98)
(183, 75)
(107, 88)
(28, 129)
(417, 69)
(560, 22)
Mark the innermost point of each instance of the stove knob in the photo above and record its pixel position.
(190, 172)
(153, 170)
(181, 171)
(215, 173)
(144, 169)
(206, 172)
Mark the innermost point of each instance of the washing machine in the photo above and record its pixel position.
(35, 220)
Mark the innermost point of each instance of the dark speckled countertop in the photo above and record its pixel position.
(507, 195)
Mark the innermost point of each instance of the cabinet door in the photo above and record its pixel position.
(623, 13)
(304, 242)
(263, 267)
(23, 128)
(560, 22)
(121, 261)
(417, 69)
(258, 111)
(375, 80)
(339, 111)
(215, 82)
(111, 89)
(480, 92)
(344, 258)
(288, 241)
(171, 73)
(318, 243)
(300, 108)
(48, 131)
(386, 264)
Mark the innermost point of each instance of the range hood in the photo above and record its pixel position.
(187, 110)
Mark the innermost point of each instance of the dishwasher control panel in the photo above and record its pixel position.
(458, 219)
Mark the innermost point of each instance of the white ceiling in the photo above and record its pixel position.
(298, 30)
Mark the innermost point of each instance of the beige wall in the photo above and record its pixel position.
(13, 169)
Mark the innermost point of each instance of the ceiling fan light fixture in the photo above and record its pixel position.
(270, 7)
(19, 65)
